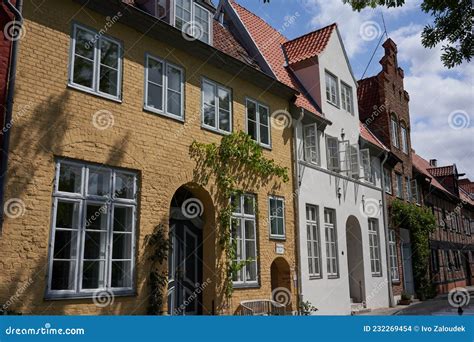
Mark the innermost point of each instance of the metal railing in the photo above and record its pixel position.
(261, 307)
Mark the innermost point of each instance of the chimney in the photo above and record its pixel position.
(433, 162)
(390, 56)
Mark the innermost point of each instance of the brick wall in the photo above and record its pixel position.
(57, 122)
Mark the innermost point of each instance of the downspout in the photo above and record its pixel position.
(391, 300)
(16, 10)
(296, 186)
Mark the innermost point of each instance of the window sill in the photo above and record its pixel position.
(88, 295)
(333, 104)
(245, 286)
(376, 275)
(396, 282)
(214, 130)
(278, 237)
(93, 93)
(333, 276)
(162, 113)
(315, 277)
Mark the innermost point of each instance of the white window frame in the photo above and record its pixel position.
(354, 161)
(217, 108)
(394, 126)
(272, 216)
(313, 239)
(415, 191)
(404, 134)
(242, 217)
(164, 111)
(193, 18)
(258, 105)
(332, 80)
(374, 248)
(331, 245)
(333, 160)
(399, 184)
(387, 174)
(311, 151)
(366, 166)
(82, 198)
(392, 247)
(95, 89)
(347, 98)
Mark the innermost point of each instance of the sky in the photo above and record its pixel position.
(441, 100)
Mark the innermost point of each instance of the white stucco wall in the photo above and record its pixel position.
(320, 187)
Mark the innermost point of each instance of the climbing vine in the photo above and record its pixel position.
(237, 165)
(158, 245)
(421, 222)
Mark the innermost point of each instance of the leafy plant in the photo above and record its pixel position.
(306, 308)
(405, 296)
(237, 165)
(421, 222)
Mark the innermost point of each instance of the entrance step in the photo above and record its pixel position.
(359, 308)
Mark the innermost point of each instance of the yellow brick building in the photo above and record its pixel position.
(71, 145)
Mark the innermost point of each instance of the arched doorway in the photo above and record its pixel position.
(185, 261)
(281, 282)
(355, 260)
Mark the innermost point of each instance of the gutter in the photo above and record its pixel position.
(16, 10)
(391, 300)
(297, 183)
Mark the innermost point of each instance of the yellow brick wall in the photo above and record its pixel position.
(52, 120)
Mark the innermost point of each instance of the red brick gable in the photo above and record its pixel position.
(308, 45)
(367, 135)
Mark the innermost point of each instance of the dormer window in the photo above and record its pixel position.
(193, 19)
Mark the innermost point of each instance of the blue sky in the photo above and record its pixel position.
(441, 100)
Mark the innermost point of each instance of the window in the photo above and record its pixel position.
(258, 122)
(164, 88)
(193, 19)
(244, 234)
(216, 107)
(346, 95)
(354, 161)
(408, 189)
(93, 230)
(332, 90)
(331, 242)
(312, 234)
(96, 63)
(448, 260)
(399, 185)
(366, 167)
(387, 180)
(332, 145)
(277, 217)
(374, 248)
(392, 248)
(404, 139)
(311, 145)
(394, 124)
(415, 191)
(434, 260)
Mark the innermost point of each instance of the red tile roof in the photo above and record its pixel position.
(367, 135)
(308, 45)
(466, 185)
(423, 166)
(269, 42)
(442, 171)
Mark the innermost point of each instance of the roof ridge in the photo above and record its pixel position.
(312, 32)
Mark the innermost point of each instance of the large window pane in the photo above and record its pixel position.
(124, 186)
(123, 219)
(63, 275)
(65, 244)
(121, 274)
(96, 216)
(93, 273)
(67, 215)
(99, 182)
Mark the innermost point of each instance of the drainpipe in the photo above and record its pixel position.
(391, 300)
(296, 196)
(16, 10)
